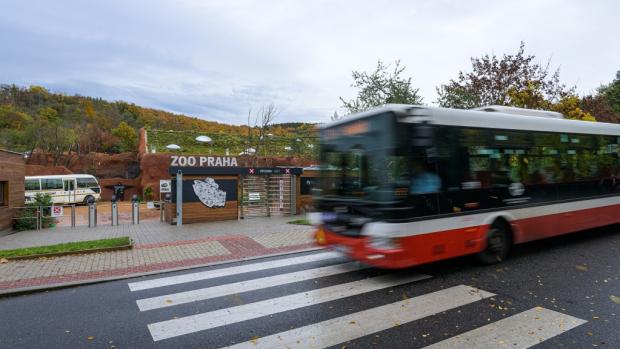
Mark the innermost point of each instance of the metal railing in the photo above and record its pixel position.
(91, 215)
(44, 216)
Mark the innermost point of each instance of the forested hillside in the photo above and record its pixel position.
(34, 118)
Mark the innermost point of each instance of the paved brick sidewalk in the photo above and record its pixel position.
(157, 253)
(149, 232)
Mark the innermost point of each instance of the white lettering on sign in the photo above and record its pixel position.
(209, 161)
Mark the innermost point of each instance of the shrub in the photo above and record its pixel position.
(28, 217)
(147, 194)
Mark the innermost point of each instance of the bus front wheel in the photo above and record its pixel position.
(498, 246)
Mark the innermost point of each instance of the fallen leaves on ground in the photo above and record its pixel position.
(90, 338)
(615, 299)
(581, 267)
(254, 340)
(3, 260)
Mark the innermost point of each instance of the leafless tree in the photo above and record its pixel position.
(257, 132)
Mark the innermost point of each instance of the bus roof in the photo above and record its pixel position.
(486, 118)
(62, 176)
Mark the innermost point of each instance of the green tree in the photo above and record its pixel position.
(611, 93)
(496, 81)
(382, 86)
(127, 136)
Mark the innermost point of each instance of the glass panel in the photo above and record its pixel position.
(51, 184)
(87, 183)
(32, 184)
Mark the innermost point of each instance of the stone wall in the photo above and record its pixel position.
(12, 172)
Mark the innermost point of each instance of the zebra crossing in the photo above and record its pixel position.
(350, 281)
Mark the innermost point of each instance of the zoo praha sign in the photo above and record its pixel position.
(202, 161)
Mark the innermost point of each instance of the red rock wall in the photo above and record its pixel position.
(154, 167)
(40, 170)
(101, 165)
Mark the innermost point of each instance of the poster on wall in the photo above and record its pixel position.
(165, 186)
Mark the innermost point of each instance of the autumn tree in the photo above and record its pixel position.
(598, 106)
(383, 86)
(531, 97)
(513, 80)
(605, 103)
(494, 80)
(127, 136)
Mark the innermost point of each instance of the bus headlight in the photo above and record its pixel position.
(383, 243)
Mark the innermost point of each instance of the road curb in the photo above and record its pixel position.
(26, 290)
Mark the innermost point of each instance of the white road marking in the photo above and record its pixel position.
(345, 328)
(245, 268)
(244, 286)
(519, 331)
(200, 322)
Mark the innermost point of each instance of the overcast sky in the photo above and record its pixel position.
(217, 59)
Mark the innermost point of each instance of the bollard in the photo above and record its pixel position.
(40, 218)
(73, 216)
(161, 210)
(114, 213)
(92, 215)
(179, 201)
(135, 210)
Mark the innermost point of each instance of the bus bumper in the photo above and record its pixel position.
(358, 248)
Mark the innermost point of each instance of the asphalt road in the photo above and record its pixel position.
(558, 293)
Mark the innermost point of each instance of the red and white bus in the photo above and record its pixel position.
(404, 185)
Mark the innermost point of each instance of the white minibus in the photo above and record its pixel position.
(64, 189)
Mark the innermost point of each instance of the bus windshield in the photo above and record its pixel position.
(366, 175)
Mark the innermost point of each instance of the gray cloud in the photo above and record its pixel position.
(218, 59)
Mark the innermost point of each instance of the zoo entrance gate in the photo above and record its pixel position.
(250, 192)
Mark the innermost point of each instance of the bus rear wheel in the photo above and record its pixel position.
(498, 246)
(88, 199)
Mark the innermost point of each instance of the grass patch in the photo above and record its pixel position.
(66, 247)
(300, 222)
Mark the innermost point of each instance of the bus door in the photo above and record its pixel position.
(425, 183)
(69, 185)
